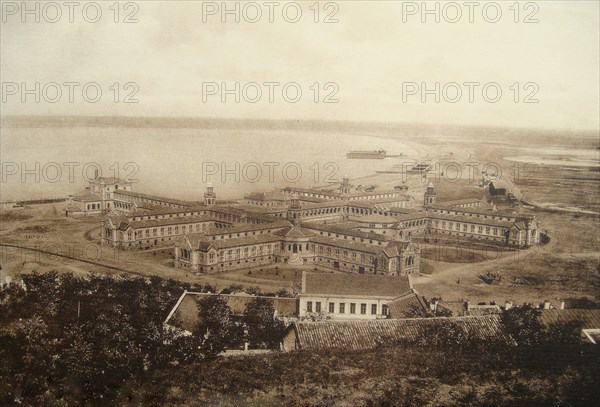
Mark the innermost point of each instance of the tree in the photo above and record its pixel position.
(564, 333)
(416, 311)
(523, 325)
(264, 329)
(232, 289)
(215, 326)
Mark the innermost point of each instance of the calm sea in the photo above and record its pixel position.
(179, 162)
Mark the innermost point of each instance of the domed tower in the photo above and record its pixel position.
(210, 197)
(345, 186)
(293, 212)
(430, 195)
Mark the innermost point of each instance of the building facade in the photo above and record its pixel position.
(347, 296)
(352, 252)
(363, 237)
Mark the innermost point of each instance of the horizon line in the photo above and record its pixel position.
(108, 119)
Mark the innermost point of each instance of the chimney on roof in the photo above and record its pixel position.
(546, 304)
(562, 304)
(303, 281)
(508, 305)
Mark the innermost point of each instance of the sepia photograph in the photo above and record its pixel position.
(346, 203)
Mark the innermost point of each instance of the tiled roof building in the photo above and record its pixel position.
(355, 296)
(358, 335)
(185, 314)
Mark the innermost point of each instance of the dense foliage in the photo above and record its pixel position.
(81, 339)
(68, 340)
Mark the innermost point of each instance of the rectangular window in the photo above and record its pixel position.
(363, 308)
(331, 307)
(352, 308)
(309, 306)
(384, 309)
(373, 309)
(342, 308)
(318, 306)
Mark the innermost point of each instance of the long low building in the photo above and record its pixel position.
(357, 335)
(166, 226)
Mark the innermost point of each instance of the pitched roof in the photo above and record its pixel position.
(295, 232)
(406, 306)
(338, 229)
(369, 334)
(347, 244)
(359, 285)
(204, 243)
(459, 202)
(88, 198)
(395, 249)
(589, 317)
(499, 184)
(155, 197)
(375, 218)
(172, 221)
(479, 220)
(186, 310)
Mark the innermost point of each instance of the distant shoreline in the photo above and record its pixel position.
(391, 128)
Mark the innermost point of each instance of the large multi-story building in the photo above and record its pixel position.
(98, 197)
(105, 194)
(257, 245)
(356, 236)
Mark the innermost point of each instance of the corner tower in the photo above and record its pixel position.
(210, 197)
(345, 186)
(294, 210)
(430, 196)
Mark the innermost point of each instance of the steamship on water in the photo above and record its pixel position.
(369, 155)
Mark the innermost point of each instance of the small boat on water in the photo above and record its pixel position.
(367, 155)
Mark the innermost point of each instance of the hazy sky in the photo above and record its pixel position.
(370, 54)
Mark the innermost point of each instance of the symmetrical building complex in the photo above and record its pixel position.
(347, 230)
